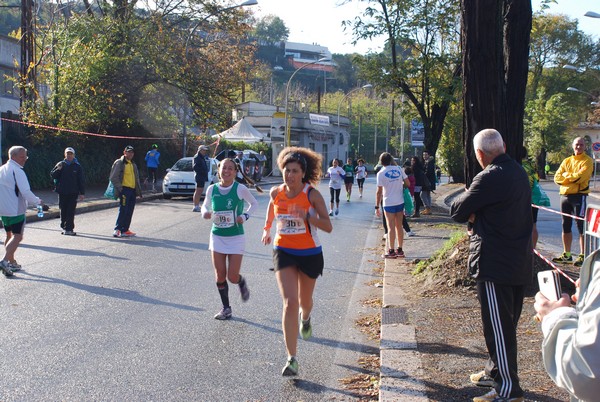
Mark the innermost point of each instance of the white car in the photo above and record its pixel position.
(179, 180)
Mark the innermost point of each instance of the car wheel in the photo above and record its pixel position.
(166, 196)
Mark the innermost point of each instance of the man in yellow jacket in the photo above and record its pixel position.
(573, 177)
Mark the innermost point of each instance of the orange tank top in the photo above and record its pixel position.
(293, 235)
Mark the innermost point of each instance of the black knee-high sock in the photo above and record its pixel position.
(224, 293)
(241, 282)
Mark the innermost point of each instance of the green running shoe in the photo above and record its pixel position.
(563, 258)
(578, 262)
(291, 367)
(305, 328)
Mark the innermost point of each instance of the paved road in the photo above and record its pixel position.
(93, 317)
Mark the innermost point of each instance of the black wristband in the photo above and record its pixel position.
(376, 206)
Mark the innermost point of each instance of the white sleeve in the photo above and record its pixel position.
(207, 205)
(24, 189)
(245, 194)
(571, 347)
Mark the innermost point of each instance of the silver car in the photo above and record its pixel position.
(179, 180)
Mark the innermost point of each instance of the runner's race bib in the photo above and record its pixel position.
(348, 174)
(223, 219)
(290, 225)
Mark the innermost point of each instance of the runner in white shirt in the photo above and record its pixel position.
(391, 180)
(361, 175)
(336, 178)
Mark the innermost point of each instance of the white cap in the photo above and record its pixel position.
(69, 149)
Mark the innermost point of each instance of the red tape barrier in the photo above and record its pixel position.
(557, 212)
(560, 271)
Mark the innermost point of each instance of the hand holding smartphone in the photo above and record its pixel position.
(549, 283)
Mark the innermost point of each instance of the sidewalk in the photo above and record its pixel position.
(400, 362)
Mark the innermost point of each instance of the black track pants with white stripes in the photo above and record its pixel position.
(501, 307)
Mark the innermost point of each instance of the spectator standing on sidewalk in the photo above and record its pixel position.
(125, 177)
(497, 207)
(69, 184)
(420, 183)
(15, 194)
(391, 180)
(429, 170)
(571, 347)
(200, 168)
(299, 212)
(573, 177)
(152, 161)
(224, 204)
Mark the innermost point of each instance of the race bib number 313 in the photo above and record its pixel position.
(288, 224)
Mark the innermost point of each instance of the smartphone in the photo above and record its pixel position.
(549, 282)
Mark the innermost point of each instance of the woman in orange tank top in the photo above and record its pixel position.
(298, 210)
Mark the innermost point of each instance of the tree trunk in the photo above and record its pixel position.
(495, 42)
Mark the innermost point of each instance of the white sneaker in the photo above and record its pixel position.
(411, 234)
(196, 209)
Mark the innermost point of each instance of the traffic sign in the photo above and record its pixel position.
(596, 146)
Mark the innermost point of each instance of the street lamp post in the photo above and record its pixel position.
(287, 93)
(592, 14)
(193, 30)
(367, 86)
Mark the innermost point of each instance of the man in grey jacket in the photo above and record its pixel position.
(125, 177)
(497, 207)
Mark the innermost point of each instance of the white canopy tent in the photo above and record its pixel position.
(241, 131)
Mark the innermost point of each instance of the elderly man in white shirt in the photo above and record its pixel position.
(15, 194)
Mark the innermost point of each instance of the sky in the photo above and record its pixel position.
(319, 21)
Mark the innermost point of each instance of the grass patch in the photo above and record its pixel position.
(455, 238)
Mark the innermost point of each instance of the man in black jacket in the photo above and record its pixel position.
(200, 168)
(69, 184)
(497, 209)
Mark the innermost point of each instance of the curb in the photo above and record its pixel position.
(400, 363)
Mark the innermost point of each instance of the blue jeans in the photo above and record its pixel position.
(126, 207)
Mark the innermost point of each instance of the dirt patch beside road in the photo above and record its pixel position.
(450, 338)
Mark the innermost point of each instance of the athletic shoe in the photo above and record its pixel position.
(224, 314)
(196, 209)
(399, 253)
(390, 254)
(5, 268)
(337, 211)
(579, 260)
(14, 266)
(563, 258)
(330, 213)
(117, 233)
(305, 328)
(69, 233)
(415, 215)
(244, 291)
(481, 379)
(411, 234)
(426, 211)
(129, 233)
(493, 396)
(360, 196)
(291, 367)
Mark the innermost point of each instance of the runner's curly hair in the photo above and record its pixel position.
(309, 160)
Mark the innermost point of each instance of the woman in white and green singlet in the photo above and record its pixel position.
(224, 204)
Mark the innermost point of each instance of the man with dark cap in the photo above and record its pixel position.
(200, 168)
(125, 177)
(69, 184)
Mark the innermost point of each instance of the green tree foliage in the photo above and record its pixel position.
(555, 42)
(422, 59)
(546, 124)
(270, 30)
